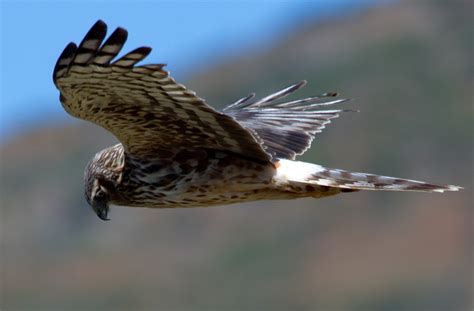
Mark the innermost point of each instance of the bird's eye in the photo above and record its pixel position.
(100, 194)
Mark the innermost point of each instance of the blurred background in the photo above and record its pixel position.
(408, 66)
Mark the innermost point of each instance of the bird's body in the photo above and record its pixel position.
(176, 151)
(194, 178)
(197, 178)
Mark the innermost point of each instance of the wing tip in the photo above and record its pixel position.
(145, 49)
(294, 87)
(69, 55)
(96, 32)
(64, 61)
(91, 51)
(302, 83)
(118, 36)
(98, 27)
(89, 46)
(111, 47)
(100, 23)
(130, 59)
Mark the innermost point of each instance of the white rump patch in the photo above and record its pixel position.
(288, 170)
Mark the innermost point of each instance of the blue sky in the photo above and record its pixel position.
(186, 35)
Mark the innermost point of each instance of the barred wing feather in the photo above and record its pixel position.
(286, 129)
(151, 114)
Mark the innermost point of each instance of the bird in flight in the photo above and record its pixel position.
(177, 151)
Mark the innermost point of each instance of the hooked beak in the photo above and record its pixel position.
(101, 208)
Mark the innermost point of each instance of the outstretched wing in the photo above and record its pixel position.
(286, 129)
(151, 114)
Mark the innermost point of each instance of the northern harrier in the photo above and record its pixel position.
(176, 151)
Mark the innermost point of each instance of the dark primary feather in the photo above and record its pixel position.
(133, 57)
(90, 44)
(286, 128)
(63, 62)
(111, 47)
(151, 114)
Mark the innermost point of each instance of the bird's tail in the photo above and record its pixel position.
(313, 174)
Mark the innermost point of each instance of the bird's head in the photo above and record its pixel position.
(98, 198)
(101, 177)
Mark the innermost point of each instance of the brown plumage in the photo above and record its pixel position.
(177, 151)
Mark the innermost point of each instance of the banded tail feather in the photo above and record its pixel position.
(313, 174)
